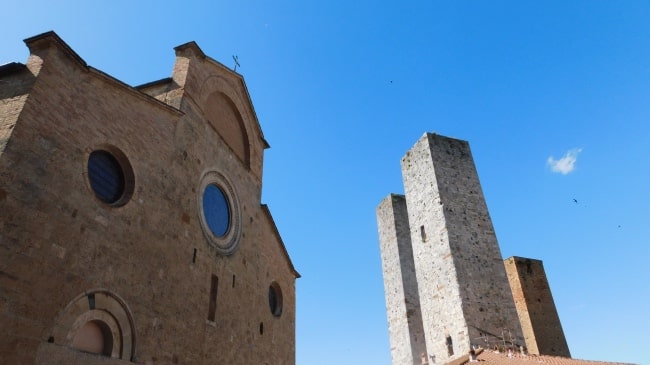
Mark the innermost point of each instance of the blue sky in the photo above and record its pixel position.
(343, 89)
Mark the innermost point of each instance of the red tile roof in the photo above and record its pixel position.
(490, 357)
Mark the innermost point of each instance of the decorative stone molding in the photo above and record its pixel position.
(227, 243)
(103, 307)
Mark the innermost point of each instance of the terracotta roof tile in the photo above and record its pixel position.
(490, 357)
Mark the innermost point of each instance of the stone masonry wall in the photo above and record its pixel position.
(486, 297)
(467, 296)
(16, 81)
(400, 284)
(59, 242)
(436, 274)
(535, 306)
(458, 261)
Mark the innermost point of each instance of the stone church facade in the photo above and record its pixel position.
(446, 285)
(131, 223)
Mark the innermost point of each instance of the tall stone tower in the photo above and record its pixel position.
(535, 306)
(404, 315)
(463, 291)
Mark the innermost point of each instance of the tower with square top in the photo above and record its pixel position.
(463, 295)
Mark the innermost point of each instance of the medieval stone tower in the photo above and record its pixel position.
(535, 306)
(445, 281)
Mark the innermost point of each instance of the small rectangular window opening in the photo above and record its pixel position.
(212, 308)
(450, 346)
(91, 301)
(194, 256)
(423, 234)
(233, 281)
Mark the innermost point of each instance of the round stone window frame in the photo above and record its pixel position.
(124, 165)
(227, 243)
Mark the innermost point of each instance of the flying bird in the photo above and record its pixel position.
(575, 201)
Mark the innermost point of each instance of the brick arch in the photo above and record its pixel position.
(108, 311)
(227, 114)
(227, 121)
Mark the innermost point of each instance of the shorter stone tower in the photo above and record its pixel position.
(536, 308)
(463, 292)
(404, 316)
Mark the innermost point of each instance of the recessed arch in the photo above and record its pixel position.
(95, 337)
(226, 120)
(97, 321)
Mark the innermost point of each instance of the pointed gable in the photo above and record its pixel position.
(219, 95)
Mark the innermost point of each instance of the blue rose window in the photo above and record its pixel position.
(216, 210)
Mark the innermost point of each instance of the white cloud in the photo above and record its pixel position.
(566, 164)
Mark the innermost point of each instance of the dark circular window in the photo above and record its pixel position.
(275, 299)
(107, 177)
(216, 210)
(219, 212)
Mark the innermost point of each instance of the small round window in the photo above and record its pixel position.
(219, 213)
(275, 299)
(109, 180)
(216, 210)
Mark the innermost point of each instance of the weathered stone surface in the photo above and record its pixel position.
(464, 296)
(403, 303)
(535, 306)
(60, 245)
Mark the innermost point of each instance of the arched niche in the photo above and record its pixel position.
(226, 120)
(99, 322)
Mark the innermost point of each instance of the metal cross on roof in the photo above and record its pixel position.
(234, 57)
